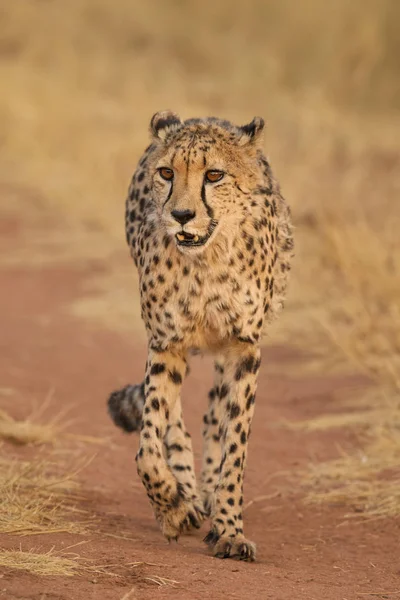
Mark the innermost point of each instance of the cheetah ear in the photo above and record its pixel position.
(162, 123)
(252, 132)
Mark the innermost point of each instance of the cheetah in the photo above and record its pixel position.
(211, 237)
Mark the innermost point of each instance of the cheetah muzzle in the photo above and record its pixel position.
(188, 240)
(205, 185)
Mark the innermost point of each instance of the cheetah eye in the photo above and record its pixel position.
(166, 173)
(213, 176)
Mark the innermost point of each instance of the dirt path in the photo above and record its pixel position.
(303, 552)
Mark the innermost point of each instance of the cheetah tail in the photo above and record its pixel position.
(125, 407)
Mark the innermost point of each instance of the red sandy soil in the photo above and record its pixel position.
(304, 552)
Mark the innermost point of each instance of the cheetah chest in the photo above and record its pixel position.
(188, 303)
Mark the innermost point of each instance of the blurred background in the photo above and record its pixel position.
(81, 79)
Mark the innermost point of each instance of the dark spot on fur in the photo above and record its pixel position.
(157, 368)
(175, 377)
(234, 411)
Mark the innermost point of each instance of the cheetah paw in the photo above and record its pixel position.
(186, 516)
(237, 548)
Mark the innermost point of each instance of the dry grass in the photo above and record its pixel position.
(364, 324)
(41, 495)
(35, 498)
(380, 455)
(367, 499)
(162, 581)
(41, 563)
(53, 563)
(353, 318)
(368, 482)
(359, 419)
(365, 480)
(38, 563)
(68, 564)
(29, 431)
(26, 431)
(365, 321)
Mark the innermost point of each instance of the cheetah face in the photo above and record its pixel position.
(188, 211)
(202, 175)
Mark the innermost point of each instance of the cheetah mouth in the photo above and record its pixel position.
(184, 238)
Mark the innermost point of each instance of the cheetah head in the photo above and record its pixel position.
(203, 173)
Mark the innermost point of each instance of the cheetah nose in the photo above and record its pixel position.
(183, 216)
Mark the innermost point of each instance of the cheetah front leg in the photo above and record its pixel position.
(237, 407)
(172, 502)
(211, 438)
(179, 452)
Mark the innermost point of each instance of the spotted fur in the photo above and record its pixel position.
(213, 259)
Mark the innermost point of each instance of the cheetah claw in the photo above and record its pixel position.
(236, 548)
(194, 519)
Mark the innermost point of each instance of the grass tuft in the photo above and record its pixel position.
(365, 480)
(52, 563)
(26, 431)
(37, 563)
(35, 499)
